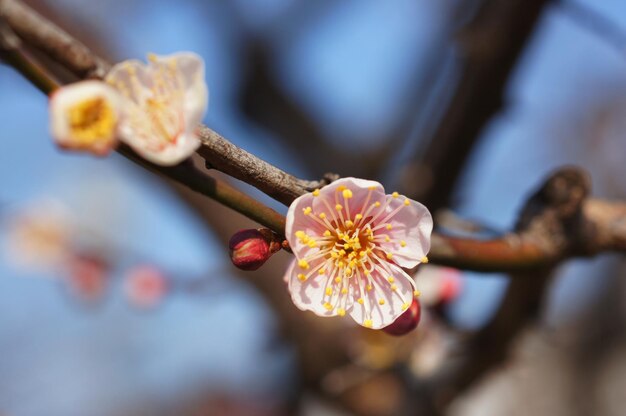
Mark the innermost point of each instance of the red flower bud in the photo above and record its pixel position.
(407, 321)
(249, 249)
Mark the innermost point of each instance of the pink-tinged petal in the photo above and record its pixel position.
(308, 290)
(409, 236)
(391, 293)
(85, 116)
(361, 192)
(300, 219)
(132, 79)
(188, 70)
(168, 155)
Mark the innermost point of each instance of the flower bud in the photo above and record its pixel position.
(407, 321)
(249, 249)
(145, 285)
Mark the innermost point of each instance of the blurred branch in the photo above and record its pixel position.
(489, 47)
(557, 209)
(595, 23)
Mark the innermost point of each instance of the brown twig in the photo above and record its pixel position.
(515, 251)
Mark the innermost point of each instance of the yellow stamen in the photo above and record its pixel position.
(388, 226)
(389, 256)
(307, 210)
(360, 301)
(337, 279)
(329, 291)
(301, 277)
(327, 233)
(407, 202)
(395, 195)
(377, 204)
(321, 271)
(402, 243)
(367, 323)
(417, 293)
(394, 287)
(341, 312)
(390, 279)
(328, 306)
(344, 290)
(91, 121)
(347, 194)
(424, 259)
(316, 192)
(338, 207)
(405, 306)
(358, 216)
(381, 301)
(303, 264)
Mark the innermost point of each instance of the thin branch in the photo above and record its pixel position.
(600, 231)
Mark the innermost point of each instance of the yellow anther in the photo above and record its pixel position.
(360, 301)
(390, 279)
(369, 287)
(347, 194)
(316, 192)
(377, 203)
(329, 291)
(349, 224)
(312, 243)
(344, 290)
(407, 202)
(307, 210)
(338, 207)
(416, 293)
(388, 226)
(370, 238)
(387, 238)
(303, 264)
(358, 216)
(362, 253)
(321, 272)
(341, 312)
(322, 215)
(389, 256)
(405, 306)
(367, 323)
(341, 188)
(328, 306)
(327, 233)
(402, 243)
(92, 120)
(393, 287)
(424, 259)
(300, 234)
(395, 195)
(381, 301)
(366, 272)
(371, 188)
(337, 279)
(152, 57)
(301, 277)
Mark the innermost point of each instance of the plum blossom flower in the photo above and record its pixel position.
(85, 116)
(351, 242)
(165, 101)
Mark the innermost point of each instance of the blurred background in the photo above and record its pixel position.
(464, 104)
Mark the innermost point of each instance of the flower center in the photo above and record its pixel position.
(92, 120)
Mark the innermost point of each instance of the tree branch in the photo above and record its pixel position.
(601, 230)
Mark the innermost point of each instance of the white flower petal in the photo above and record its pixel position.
(85, 116)
(411, 227)
(310, 294)
(395, 294)
(167, 100)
